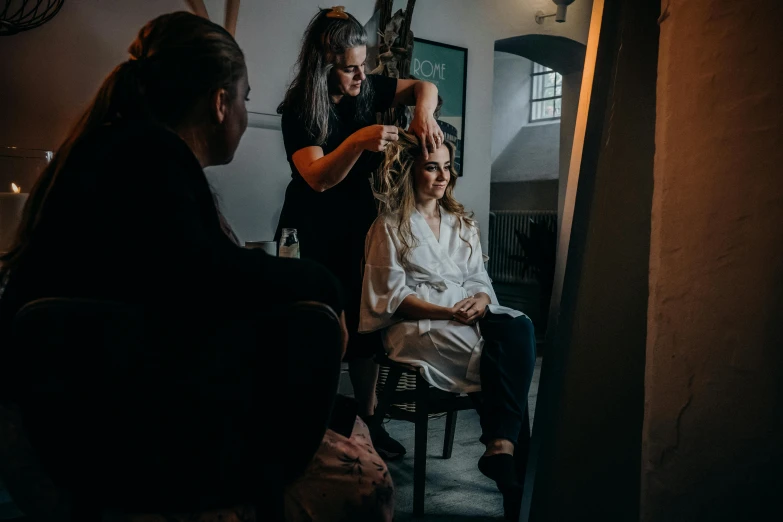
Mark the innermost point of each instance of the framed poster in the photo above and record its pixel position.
(446, 66)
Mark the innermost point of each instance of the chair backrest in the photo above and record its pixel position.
(49, 335)
(314, 353)
(66, 350)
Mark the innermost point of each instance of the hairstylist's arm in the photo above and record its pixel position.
(424, 95)
(344, 329)
(323, 172)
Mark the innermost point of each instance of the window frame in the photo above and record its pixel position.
(533, 100)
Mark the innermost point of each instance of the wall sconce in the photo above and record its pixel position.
(560, 15)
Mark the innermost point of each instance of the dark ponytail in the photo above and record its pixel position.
(175, 61)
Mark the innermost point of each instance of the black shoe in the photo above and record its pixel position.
(385, 445)
(500, 468)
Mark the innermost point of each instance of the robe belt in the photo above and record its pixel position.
(423, 291)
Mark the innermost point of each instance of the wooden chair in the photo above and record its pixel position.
(81, 347)
(403, 394)
(401, 401)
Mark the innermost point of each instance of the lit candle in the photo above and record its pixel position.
(11, 205)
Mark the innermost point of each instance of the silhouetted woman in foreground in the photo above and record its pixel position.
(125, 213)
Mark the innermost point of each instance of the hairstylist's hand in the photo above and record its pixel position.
(471, 309)
(344, 329)
(426, 128)
(375, 137)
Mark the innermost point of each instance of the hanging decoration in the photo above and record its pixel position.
(395, 52)
(22, 15)
(395, 48)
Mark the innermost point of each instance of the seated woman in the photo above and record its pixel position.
(125, 213)
(426, 286)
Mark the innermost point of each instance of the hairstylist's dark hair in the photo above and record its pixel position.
(324, 43)
(175, 61)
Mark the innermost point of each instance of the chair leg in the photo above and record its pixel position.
(389, 387)
(420, 447)
(448, 437)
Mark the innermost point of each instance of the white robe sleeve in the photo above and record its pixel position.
(476, 277)
(384, 285)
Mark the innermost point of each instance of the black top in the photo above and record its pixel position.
(344, 121)
(132, 218)
(332, 225)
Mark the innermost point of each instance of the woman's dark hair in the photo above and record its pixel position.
(329, 34)
(175, 61)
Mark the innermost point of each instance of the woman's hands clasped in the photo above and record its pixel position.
(471, 309)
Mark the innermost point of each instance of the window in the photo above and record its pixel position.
(546, 93)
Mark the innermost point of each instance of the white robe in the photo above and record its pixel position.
(443, 272)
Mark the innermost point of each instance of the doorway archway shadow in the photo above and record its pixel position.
(560, 54)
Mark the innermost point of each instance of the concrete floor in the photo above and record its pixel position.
(456, 490)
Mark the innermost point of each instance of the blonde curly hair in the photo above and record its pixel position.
(395, 188)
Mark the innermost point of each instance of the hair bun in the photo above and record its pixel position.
(337, 11)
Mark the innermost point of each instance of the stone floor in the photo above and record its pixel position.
(455, 489)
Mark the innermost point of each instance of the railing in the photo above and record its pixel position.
(503, 243)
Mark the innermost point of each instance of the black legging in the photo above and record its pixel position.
(507, 364)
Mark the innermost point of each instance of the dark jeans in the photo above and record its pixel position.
(507, 364)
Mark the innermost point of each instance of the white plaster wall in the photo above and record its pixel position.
(510, 99)
(251, 189)
(531, 155)
(521, 151)
(49, 74)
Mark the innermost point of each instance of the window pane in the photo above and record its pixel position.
(538, 68)
(538, 87)
(549, 109)
(545, 83)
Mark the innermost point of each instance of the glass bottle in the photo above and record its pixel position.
(289, 243)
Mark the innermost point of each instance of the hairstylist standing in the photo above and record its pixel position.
(333, 146)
